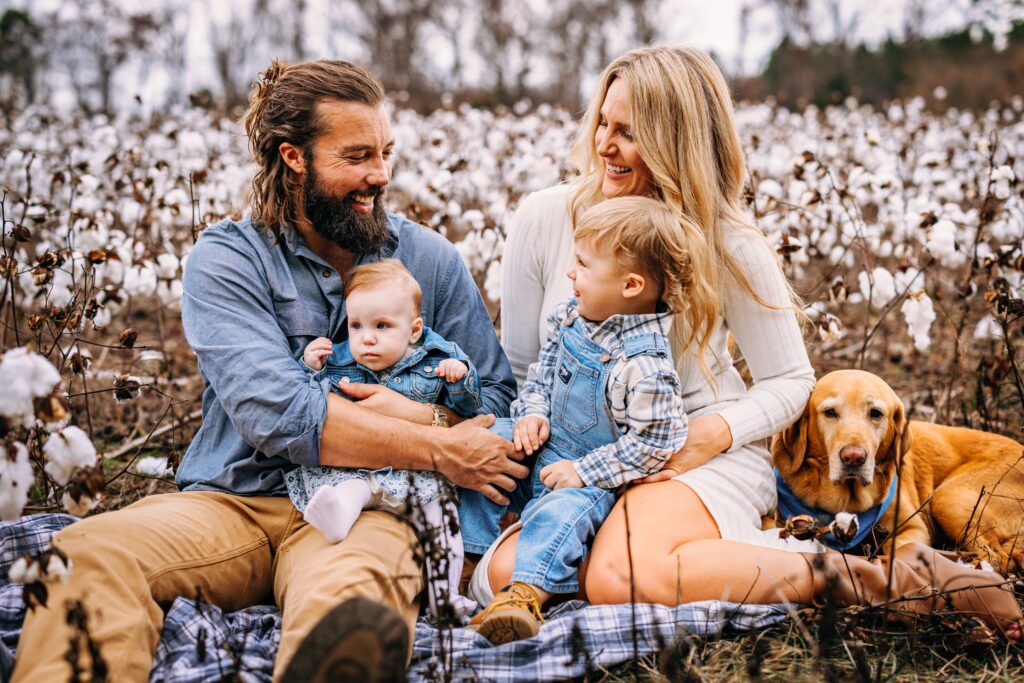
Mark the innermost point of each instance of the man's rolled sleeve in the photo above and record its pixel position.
(461, 316)
(239, 337)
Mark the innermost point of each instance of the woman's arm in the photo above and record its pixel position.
(773, 347)
(771, 343)
(522, 288)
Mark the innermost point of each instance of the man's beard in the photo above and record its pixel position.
(336, 219)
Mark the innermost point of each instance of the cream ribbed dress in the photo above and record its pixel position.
(738, 486)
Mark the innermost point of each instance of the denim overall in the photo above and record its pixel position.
(559, 524)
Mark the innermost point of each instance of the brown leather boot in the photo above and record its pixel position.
(514, 614)
(972, 592)
(927, 585)
(848, 580)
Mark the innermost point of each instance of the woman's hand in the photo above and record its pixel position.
(384, 401)
(707, 436)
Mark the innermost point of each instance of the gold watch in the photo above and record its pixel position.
(440, 417)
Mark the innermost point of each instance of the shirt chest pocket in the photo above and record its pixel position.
(301, 322)
(425, 385)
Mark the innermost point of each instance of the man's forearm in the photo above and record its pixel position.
(356, 437)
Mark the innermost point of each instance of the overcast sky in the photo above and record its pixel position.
(712, 25)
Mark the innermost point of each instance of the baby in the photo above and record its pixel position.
(601, 406)
(389, 345)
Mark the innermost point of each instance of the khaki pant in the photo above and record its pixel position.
(234, 551)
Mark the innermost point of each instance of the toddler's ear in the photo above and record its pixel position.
(633, 285)
(416, 330)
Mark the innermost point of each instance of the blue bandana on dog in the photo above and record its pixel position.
(790, 506)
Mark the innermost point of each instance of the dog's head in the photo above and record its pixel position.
(842, 453)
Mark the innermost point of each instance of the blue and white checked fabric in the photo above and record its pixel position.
(200, 643)
(643, 393)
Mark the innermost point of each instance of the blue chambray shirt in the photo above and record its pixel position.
(252, 303)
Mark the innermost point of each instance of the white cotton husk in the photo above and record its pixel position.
(67, 451)
(919, 314)
(16, 479)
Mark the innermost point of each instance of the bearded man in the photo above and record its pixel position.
(256, 292)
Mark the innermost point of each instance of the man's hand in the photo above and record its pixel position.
(452, 370)
(707, 436)
(316, 352)
(475, 458)
(561, 475)
(530, 433)
(385, 401)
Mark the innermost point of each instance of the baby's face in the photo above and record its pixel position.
(381, 325)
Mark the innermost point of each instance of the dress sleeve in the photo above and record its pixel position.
(522, 287)
(771, 343)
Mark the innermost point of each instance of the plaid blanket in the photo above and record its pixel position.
(200, 642)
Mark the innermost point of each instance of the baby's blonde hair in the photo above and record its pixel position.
(644, 233)
(390, 272)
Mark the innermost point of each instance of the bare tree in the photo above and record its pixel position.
(95, 39)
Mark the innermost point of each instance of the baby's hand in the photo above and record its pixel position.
(561, 475)
(452, 370)
(530, 433)
(316, 352)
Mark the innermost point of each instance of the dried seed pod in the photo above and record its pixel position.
(801, 527)
(128, 338)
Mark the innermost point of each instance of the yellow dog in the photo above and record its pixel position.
(960, 484)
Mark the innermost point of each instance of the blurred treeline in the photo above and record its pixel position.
(92, 55)
(965, 71)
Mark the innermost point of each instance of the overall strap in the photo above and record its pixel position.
(650, 343)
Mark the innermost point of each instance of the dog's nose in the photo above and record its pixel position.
(853, 456)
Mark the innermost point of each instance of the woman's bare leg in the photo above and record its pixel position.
(678, 556)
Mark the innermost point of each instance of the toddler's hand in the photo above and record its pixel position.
(452, 370)
(561, 475)
(530, 433)
(316, 352)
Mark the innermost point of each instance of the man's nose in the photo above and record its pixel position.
(380, 173)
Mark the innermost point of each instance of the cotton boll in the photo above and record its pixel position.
(15, 480)
(81, 507)
(140, 280)
(58, 568)
(25, 376)
(66, 451)
(152, 467)
(942, 243)
(987, 329)
(919, 314)
(167, 266)
(879, 284)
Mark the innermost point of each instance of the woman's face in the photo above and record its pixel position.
(625, 173)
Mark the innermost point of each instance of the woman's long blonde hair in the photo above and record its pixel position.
(682, 119)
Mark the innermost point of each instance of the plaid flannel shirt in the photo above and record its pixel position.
(643, 393)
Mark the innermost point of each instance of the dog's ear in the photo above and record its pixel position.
(900, 434)
(790, 445)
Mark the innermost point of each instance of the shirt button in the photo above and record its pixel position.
(398, 380)
(326, 273)
(605, 358)
(428, 369)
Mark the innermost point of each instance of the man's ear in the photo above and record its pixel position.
(790, 445)
(293, 157)
(416, 330)
(633, 285)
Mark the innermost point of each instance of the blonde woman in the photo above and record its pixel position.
(661, 124)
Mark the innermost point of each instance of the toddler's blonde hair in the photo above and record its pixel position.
(645, 233)
(389, 272)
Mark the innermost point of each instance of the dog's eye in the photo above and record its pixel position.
(876, 414)
(830, 413)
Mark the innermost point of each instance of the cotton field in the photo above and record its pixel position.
(901, 229)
